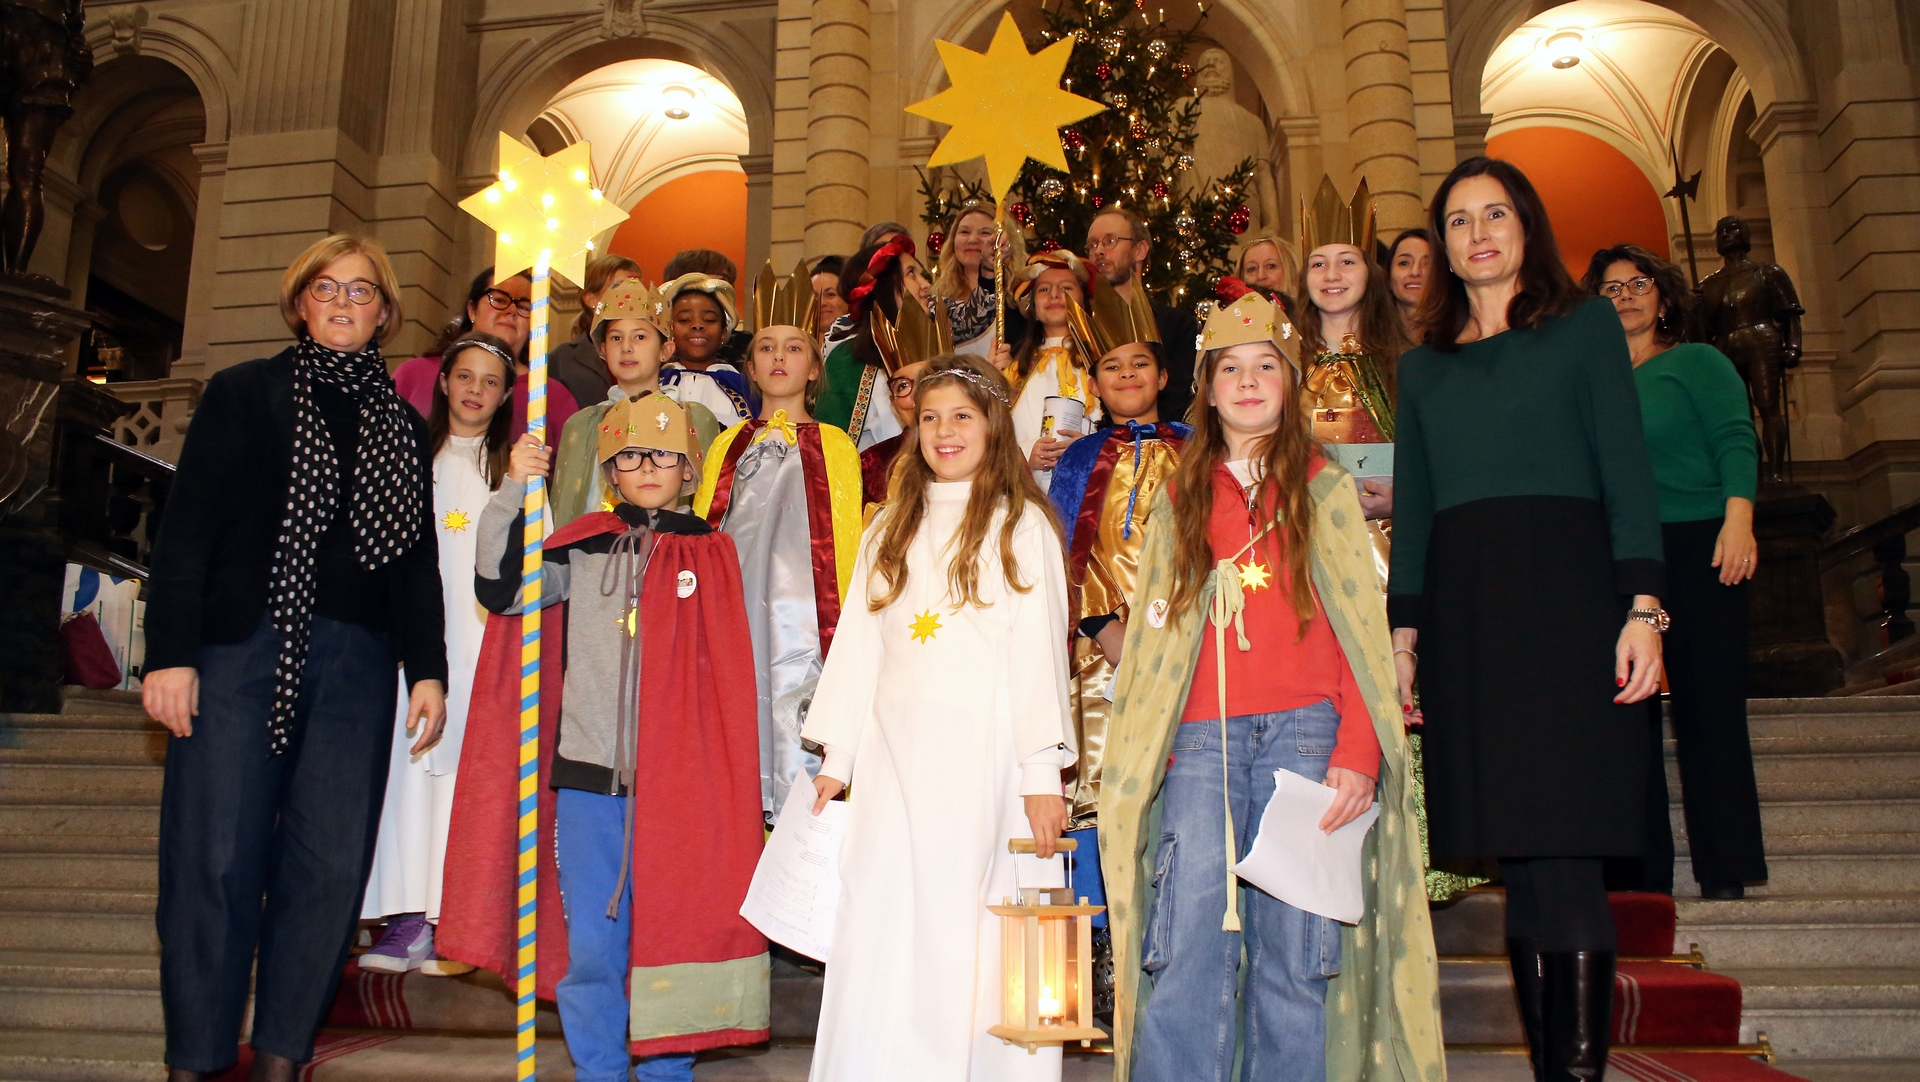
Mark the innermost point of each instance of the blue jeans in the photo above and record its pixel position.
(1188, 1032)
(589, 831)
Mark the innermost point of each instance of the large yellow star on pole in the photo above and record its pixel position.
(543, 208)
(1005, 105)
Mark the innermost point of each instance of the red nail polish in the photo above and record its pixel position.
(1405, 708)
(1620, 681)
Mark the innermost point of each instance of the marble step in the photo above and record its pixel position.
(114, 933)
(58, 871)
(1830, 776)
(78, 969)
(1843, 1070)
(124, 1010)
(1782, 818)
(1829, 843)
(39, 827)
(1784, 931)
(1835, 1013)
(82, 782)
(82, 743)
(69, 1056)
(77, 900)
(1824, 875)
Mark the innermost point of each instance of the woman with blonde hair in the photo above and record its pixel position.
(1268, 264)
(945, 703)
(297, 563)
(964, 276)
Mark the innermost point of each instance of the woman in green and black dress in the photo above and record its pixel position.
(1700, 435)
(1527, 570)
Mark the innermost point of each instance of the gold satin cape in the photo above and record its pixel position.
(1383, 1010)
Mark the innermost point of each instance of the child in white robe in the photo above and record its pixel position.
(470, 436)
(945, 702)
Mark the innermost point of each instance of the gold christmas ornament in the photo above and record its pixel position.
(917, 338)
(634, 299)
(1112, 320)
(785, 302)
(1328, 220)
(543, 210)
(1005, 105)
(1251, 318)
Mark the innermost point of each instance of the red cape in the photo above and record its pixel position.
(699, 780)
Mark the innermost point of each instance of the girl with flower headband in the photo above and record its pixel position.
(876, 282)
(469, 434)
(944, 702)
(1259, 646)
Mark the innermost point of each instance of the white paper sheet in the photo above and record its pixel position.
(796, 886)
(1293, 860)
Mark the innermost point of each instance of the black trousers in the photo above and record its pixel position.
(269, 853)
(1706, 659)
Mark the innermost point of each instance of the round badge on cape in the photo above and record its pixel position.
(1157, 613)
(686, 584)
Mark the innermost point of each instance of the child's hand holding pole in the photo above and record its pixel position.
(529, 459)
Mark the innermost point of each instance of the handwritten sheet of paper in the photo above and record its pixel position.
(1295, 862)
(796, 887)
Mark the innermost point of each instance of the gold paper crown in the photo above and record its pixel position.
(917, 338)
(1114, 320)
(634, 299)
(1329, 221)
(651, 421)
(719, 289)
(785, 302)
(1251, 318)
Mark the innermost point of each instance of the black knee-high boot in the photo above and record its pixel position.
(1579, 1014)
(1523, 955)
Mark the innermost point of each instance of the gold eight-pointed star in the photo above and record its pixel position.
(1254, 575)
(1005, 105)
(924, 625)
(455, 521)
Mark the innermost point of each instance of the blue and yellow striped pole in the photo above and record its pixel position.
(534, 540)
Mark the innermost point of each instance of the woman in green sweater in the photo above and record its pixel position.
(1705, 458)
(1525, 518)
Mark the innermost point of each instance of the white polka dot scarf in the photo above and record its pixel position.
(385, 491)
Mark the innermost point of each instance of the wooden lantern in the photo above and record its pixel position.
(1046, 965)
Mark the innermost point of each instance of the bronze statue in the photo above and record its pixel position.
(1752, 314)
(44, 58)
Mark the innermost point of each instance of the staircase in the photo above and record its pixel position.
(1828, 952)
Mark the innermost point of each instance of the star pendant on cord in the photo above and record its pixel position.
(455, 521)
(1253, 574)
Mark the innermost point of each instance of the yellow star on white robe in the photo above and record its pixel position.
(924, 625)
(455, 521)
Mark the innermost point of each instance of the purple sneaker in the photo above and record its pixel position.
(407, 942)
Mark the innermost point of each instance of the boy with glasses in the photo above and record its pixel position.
(650, 803)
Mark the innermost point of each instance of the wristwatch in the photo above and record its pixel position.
(1655, 618)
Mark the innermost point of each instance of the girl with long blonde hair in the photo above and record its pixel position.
(1251, 652)
(945, 701)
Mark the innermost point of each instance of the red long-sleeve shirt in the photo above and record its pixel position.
(1284, 669)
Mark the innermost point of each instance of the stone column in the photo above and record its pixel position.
(1382, 140)
(1470, 134)
(838, 109)
(759, 170)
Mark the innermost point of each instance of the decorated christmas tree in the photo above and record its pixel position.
(1138, 153)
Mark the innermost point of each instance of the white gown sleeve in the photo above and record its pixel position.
(1037, 661)
(843, 700)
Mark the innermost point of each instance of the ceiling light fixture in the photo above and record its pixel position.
(676, 102)
(1564, 47)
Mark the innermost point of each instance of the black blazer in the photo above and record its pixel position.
(214, 556)
(1178, 328)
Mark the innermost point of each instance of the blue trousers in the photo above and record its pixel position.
(1088, 883)
(269, 853)
(1189, 1030)
(589, 832)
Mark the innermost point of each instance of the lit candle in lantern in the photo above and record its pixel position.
(1050, 1009)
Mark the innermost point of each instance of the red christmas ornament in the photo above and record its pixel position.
(1103, 72)
(1137, 128)
(1099, 201)
(1239, 219)
(1160, 189)
(1073, 138)
(935, 241)
(1020, 212)
(1049, 245)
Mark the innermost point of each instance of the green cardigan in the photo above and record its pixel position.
(1383, 1010)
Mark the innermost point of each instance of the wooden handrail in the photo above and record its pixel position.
(1864, 538)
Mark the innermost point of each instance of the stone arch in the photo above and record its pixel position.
(1754, 32)
(518, 88)
(184, 46)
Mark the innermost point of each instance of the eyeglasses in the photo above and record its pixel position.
(1101, 244)
(503, 300)
(358, 291)
(900, 387)
(1639, 287)
(629, 459)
